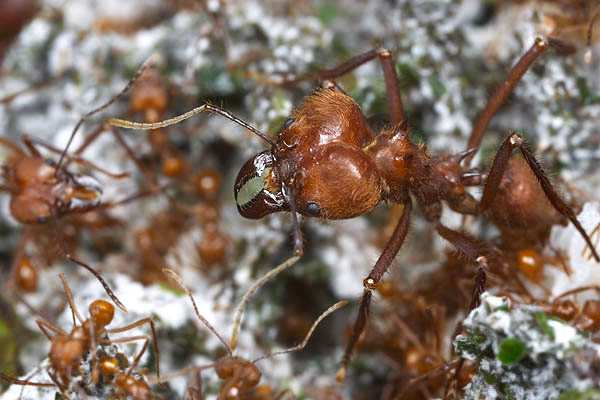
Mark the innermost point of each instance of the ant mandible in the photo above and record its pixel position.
(326, 162)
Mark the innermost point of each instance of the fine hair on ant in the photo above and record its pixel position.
(326, 162)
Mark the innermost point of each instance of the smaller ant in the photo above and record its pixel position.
(44, 193)
(586, 318)
(241, 376)
(212, 247)
(68, 349)
(25, 274)
(150, 96)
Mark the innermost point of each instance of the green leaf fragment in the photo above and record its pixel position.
(511, 351)
(542, 320)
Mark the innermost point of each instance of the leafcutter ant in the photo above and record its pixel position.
(44, 193)
(240, 376)
(69, 349)
(327, 163)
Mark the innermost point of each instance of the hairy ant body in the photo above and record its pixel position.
(68, 349)
(327, 163)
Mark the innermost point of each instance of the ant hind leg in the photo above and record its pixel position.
(500, 164)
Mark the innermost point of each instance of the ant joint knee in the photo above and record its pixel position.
(327, 84)
(516, 139)
(383, 52)
(370, 284)
(482, 261)
(541, 42)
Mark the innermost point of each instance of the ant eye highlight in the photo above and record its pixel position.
(288, 122)
(256, 193)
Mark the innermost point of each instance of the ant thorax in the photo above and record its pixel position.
(41, 192)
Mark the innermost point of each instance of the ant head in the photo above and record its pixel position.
(150, 93)
(239, 375)
(78, 193)
(102, 313)
(258, 190)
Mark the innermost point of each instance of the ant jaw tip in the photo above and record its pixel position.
(340, 375)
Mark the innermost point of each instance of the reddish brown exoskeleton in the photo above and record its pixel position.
(68, 349)
(44, 193)
(326, 162)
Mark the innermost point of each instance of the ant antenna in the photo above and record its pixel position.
(148, 63)
(107, 288)
(302, 344)
(239, 310)
(121, 123)
(69, 294)
(177, 279)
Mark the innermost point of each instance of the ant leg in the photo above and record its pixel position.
(135, 324)
(150, 178)
(177, 279)
(29, 141)
(16, 381)
(595, 235)
(194, 388)
(47, 327)
(11, 145)
(149, 62)
(370, 283)
(396, 108)
(239, 309)
(132, 198)
(69, 294)
(138, 356)
(107, 288)
(578, 290)
(288, 192)
(503, 92)
(302, 344)
(499, 166)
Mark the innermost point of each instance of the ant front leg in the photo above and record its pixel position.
(492, 184)
(396, 109)
(370, 283)
(30, 142)
(136, 324)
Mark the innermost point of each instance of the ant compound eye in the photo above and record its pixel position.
(313, 209)
(256, 190)
(288, 122)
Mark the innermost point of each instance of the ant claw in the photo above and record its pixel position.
(370, 284)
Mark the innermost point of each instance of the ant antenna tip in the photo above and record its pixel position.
(340, 375)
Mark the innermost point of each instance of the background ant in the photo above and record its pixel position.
(327, 163)
(69, 349)
(241, 376)
(44, 193)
